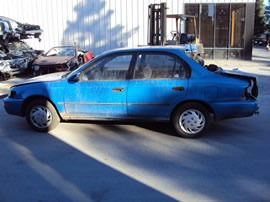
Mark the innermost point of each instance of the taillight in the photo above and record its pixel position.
(251, 92)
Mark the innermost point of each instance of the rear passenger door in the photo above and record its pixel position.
(160, 80)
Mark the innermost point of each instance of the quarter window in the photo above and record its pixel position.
(159, 66)
(114, 67)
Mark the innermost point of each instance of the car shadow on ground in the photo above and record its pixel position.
(97, 161)
(165, 128)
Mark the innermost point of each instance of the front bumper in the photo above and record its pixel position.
(13, 106)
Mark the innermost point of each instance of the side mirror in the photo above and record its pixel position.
(75, 78)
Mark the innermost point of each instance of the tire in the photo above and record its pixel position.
(41, 115)
(191, 120)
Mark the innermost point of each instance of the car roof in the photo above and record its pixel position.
(149, 48)
(176, 49)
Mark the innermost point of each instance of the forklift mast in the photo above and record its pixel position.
(157, 27)
(157, 18)
(157, 24)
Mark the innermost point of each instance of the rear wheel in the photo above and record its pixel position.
(42, 116)
(191, 120)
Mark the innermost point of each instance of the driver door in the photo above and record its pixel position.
(101, 91)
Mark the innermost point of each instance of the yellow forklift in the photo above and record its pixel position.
(157, 31)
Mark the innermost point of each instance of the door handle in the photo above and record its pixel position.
(178, 88)
(118, 90)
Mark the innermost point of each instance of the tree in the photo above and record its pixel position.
(267, 17)
(259, 17)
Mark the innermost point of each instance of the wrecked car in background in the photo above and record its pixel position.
(15, 55)
(17, 60)
(59, 59)
(12, 29)
(11, 64)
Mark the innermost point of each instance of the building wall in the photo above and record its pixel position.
(225, 30)
(96, 25)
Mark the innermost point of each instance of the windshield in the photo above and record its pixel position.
(61, 51)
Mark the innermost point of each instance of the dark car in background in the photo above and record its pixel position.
(261, 39)
(59, 59)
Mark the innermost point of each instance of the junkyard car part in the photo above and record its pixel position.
(10, 28)
(15, 55)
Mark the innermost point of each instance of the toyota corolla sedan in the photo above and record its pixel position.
(149, 83)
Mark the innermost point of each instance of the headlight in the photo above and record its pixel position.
(36, 67)
(5, 66)
(19, 63)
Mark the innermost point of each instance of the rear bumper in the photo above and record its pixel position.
(225, 110)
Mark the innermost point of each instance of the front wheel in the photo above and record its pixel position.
(191, 120)
(42, 116)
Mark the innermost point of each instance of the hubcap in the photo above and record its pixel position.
(41, 116)
(192, 121)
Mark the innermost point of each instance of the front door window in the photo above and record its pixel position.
(111, 68)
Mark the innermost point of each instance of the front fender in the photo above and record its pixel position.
(52, 91)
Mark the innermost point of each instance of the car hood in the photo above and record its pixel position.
(41, 79)
(53, 60)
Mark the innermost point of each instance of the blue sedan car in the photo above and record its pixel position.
(149, 83)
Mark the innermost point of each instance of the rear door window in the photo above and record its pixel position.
(159, 66)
